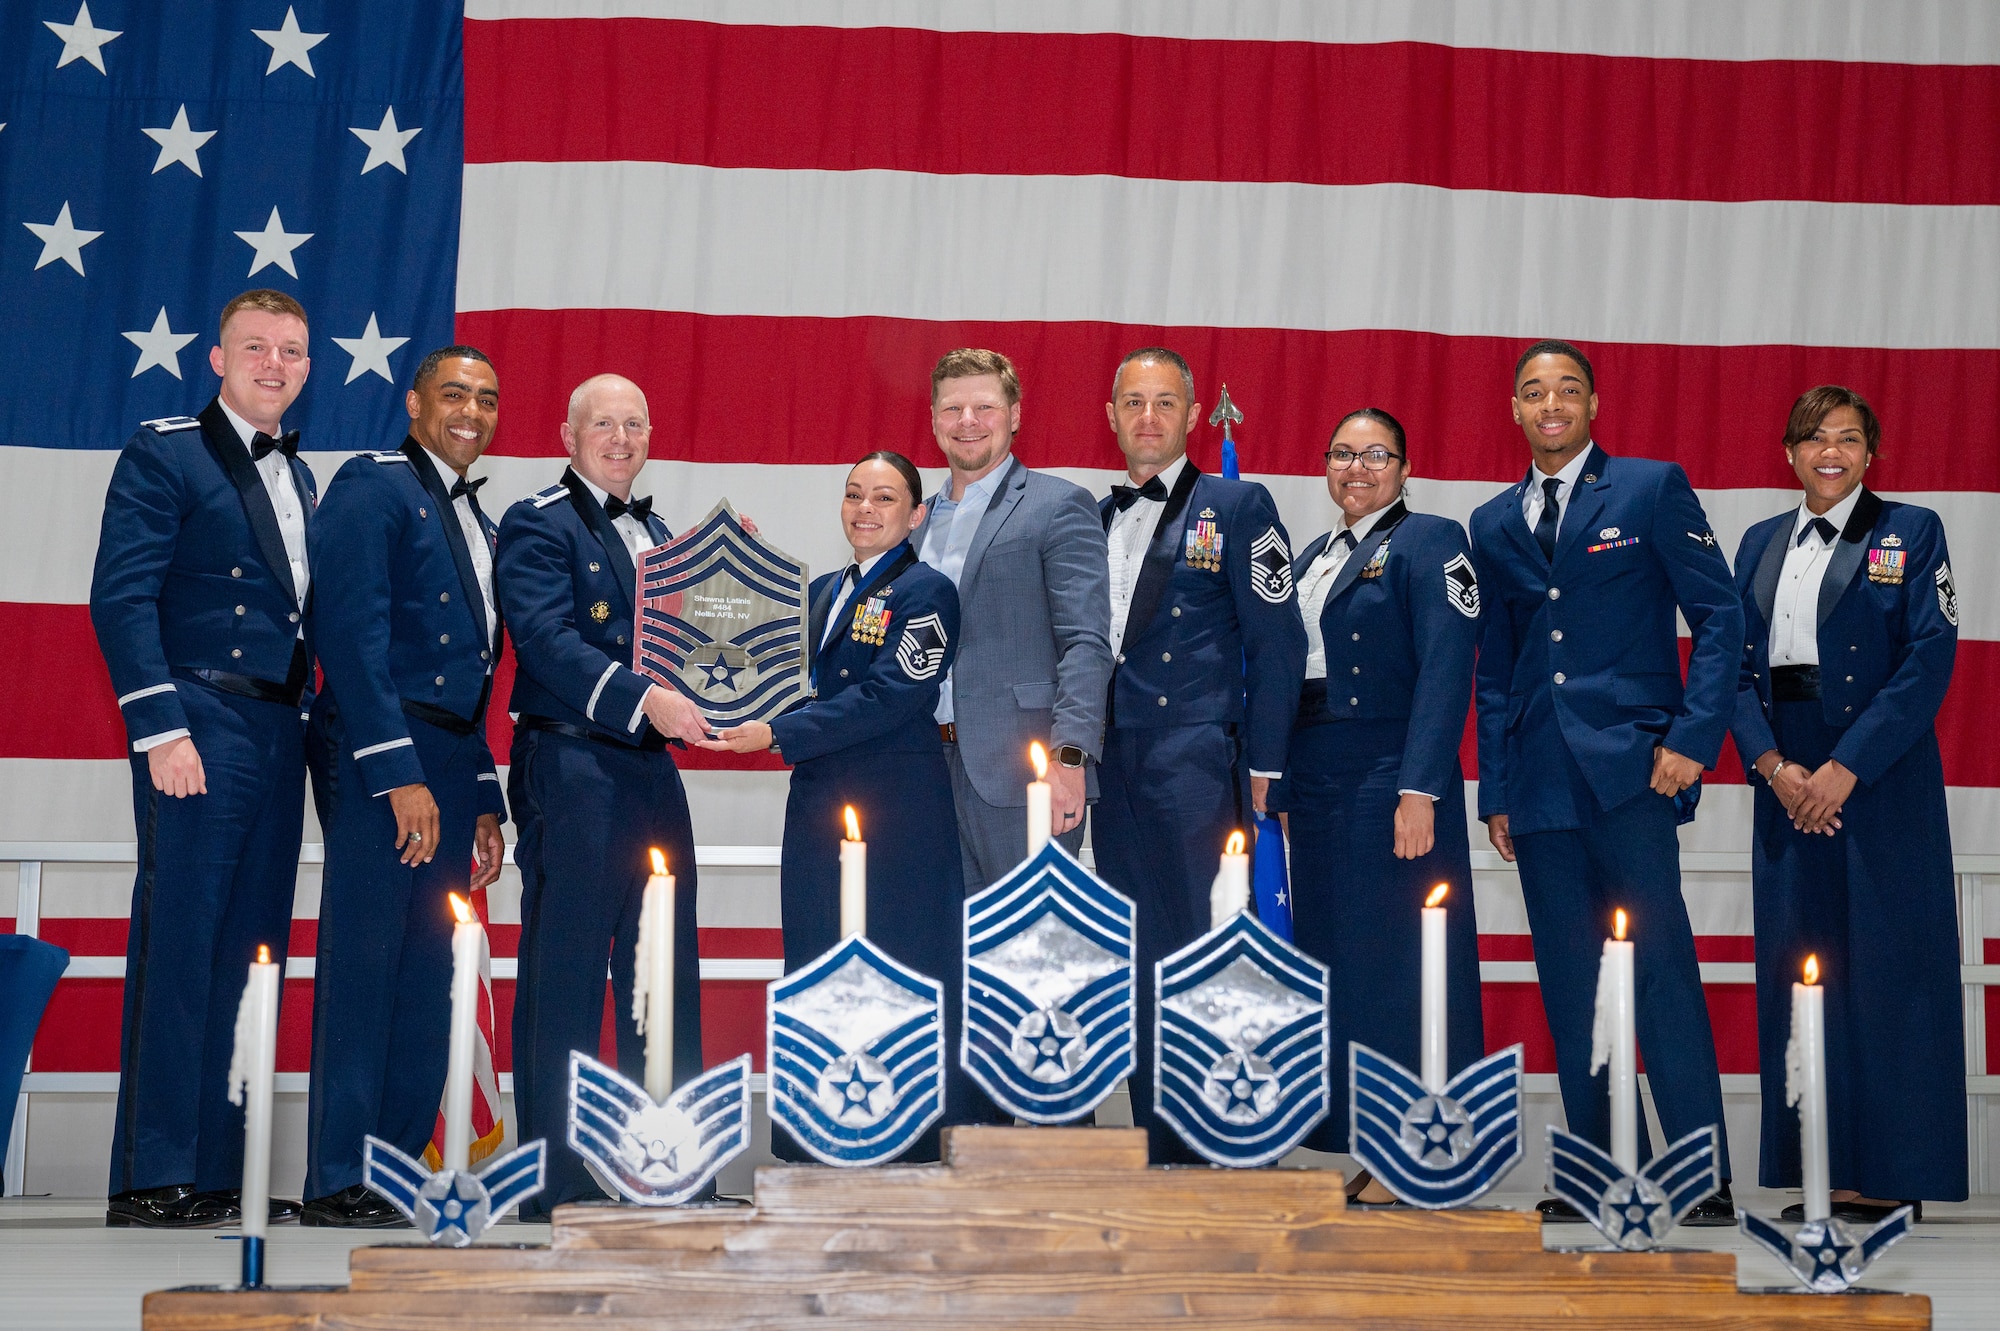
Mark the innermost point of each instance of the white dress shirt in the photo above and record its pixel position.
(630, 530)
(948, 539)
(1131, 531)
(475, 544)
(1318, 582)
(851, 580)
(1795, 609)
(1566, 479)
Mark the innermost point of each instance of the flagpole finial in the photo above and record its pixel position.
(1226, 413)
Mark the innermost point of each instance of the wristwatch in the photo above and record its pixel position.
(1070, 755)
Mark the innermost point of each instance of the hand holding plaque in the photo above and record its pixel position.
(721, 619)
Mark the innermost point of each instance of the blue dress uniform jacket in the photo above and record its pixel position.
(192, 575)
(869, 738)
(1203, 692)
(407, 656)
(592, 790)
(1875, 901)
(1398, 626)
(1578, 681)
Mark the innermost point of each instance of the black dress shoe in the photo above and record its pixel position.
(282, 1212)
(351, 1208)
(178, 1206)
(1863, 1213)
(1556, 1211)
(1715, 1212)
(1796, 1211)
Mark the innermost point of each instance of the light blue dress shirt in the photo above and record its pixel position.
(954, 522)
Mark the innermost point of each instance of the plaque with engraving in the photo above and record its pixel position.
(722, 618)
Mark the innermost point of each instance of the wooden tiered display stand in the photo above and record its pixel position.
(1033, 1228)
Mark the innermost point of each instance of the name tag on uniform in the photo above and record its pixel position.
(871, 621)
(1204, 543)
(1886, 566)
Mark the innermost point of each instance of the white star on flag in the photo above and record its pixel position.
(179, 143)
(370, 351)
(62, 240)
(82, 40)
(159, 345)
(273, 244)
(289, 45)
(385, 144)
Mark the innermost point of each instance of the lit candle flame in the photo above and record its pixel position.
(1618, 925)
(461, 908)
(1436, 898)
(1812, 969)
(1039, 756)
(659, 862)
(853, 824)
(1234, 846)
(263, 954)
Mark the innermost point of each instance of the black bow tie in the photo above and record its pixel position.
(470, 489)
(1124, 496)
(1827, 531)
(261, 444)
(638, 508)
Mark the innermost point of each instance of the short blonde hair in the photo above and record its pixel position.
(263, 298)
(969, 362)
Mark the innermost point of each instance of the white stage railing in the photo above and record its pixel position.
(1971, 871)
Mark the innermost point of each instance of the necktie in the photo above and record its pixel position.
(261, 444)
(1124, 496)
(1346, 538)
(641, 509)
(1545, 526)
(1826, 530)
(837, 604)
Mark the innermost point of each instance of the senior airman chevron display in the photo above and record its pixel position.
(774, 215)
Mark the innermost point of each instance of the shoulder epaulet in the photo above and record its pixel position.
(171, 424)
(388, 455)
(549, 496)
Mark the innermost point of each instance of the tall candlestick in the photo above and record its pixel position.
(1433, 1048)
(653, 979)
(467, 938)
(1613, 1040)
(252, 1064)
(1230, 892)
(1041, 820)
(853, 879)
(1805, 1086)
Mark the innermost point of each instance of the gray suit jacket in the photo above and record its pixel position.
(1034, 655)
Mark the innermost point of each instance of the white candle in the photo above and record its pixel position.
(467, 938)
(1041, 821)
(1805, 1086)
(653, 979)
(252, 1065)
(1230, 892)
(853, 879)
(1432, 1048)
(1613, 1040)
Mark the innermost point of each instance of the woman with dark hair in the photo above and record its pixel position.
(884, 630)
(1852, 624)
(1373, 795)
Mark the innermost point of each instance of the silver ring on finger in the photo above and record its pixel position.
(416, 836)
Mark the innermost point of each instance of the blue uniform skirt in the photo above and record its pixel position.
(1876, 902)
(1356, 907)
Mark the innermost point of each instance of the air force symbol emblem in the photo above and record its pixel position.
(921, 649)
(1239, 1043)
(650, 1153)
(1435, 1150)
(1461, 586)
(855, 1049)
(1271, 567)
(1050, 962)
(1827, 1256)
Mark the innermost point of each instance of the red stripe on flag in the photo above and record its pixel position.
(1061, 104)
(732, 388)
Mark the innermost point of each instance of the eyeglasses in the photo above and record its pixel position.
(1375, 459)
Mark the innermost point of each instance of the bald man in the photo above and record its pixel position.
(592, 786)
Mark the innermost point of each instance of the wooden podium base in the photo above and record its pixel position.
(1033, 1228)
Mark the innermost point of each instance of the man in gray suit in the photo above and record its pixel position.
(1027, 553)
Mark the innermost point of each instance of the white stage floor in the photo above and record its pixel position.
(62, 1270)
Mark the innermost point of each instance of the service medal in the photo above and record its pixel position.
(871, 621)
(1886, 566)
(1204, 545)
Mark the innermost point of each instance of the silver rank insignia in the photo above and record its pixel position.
(1239, 1043)
(855, 1047)
(921, 649)
(1435, 1150)
(1827, 1256)
(1204, 543)
(1634, 1211)
(1271, 567)
(1051, 957)
(452, 1207)
(1947, 594)
(650, 1153)
(1461, 585)
(871, 621)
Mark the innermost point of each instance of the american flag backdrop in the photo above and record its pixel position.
(774, 215)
